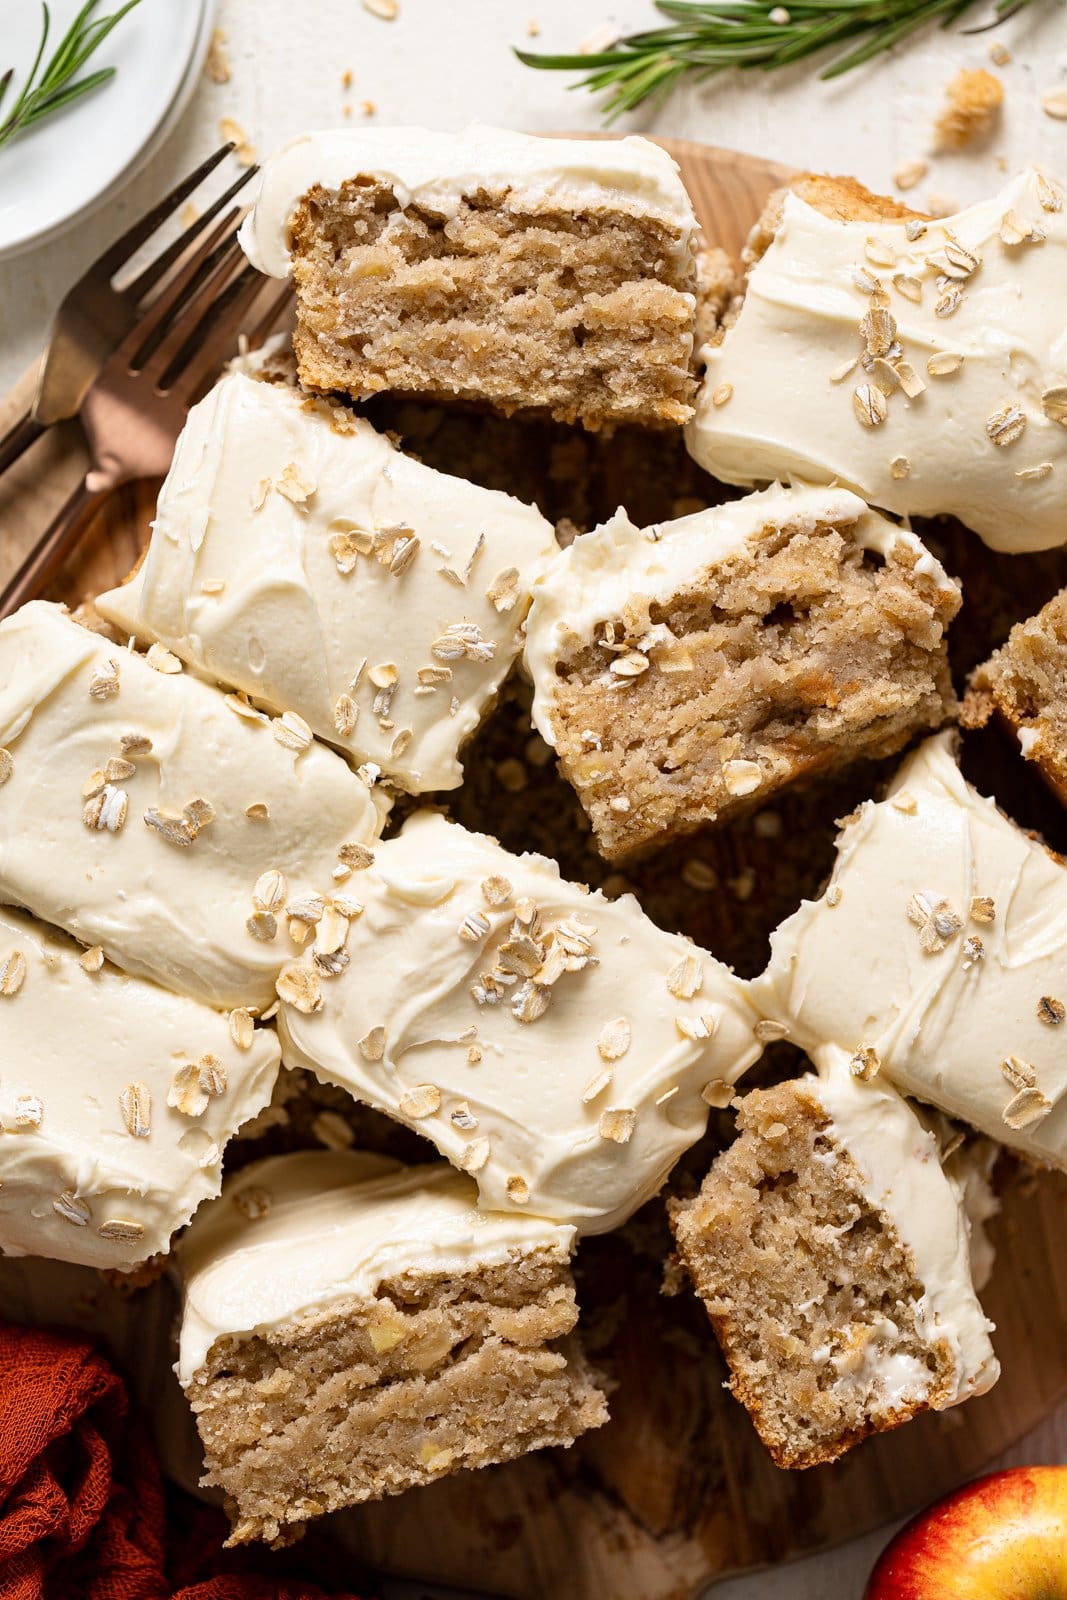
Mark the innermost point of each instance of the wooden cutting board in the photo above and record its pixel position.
(675, 1492)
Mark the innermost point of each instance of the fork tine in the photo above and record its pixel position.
(197, 311)
(262, 330)
(121, 251)
(155, 270)
(208, 347)
(167, 303)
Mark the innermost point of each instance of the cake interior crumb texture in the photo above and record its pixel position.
(803, 1282)
(584, 315)
(1026, 682)
(804, 652)
(369, 1397)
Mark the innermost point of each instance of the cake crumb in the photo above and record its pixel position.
(908, 173)
(974, 98)
(387, 10)
(1054, 104)
(999, 53)
(232, 132)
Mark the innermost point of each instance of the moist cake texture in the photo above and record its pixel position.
(352, 1329)
(688, 670)
(884, 353)
(831, 1252)
(1025, 682)
(530, 274)
(940, 947)
(553, 1043)
(298, 557)
(117, 1101)
(144, 811)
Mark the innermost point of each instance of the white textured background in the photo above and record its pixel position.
(444, 61)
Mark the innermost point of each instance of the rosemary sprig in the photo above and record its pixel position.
(707, 36)
(58, 83)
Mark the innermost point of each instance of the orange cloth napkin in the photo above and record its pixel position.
(82, 1505)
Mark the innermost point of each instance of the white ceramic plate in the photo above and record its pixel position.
(70, 162)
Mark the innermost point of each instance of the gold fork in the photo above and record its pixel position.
(95, 314)
(134, 410)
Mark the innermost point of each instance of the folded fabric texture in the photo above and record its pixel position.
(83, 1512)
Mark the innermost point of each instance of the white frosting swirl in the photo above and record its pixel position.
(437, 170)
(328, 1226)
(769, 406)
(263, 587)
(174, 913)
(956, 1023)
(578, 1114)
(900, 1167)
(88, 1171)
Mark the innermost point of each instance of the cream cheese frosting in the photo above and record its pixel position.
(971, 426)
(297, 1233)
(436, 170)
(598, 576)
(940, 945)
(297, 556)
(141, 810)
(97, 1166)
(553, 1043)
(899, 1163)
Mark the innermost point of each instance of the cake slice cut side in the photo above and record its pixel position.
(1025, 683)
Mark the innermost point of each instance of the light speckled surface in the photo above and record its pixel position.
(442, 63)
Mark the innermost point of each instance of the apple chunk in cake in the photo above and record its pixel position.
(531, 274)
(832, 1254)
(690, 669)
(353, 1328)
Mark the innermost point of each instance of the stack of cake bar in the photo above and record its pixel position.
(208, 888)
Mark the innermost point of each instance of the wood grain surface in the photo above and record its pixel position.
(675, 1492)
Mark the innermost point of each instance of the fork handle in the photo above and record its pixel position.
(18, 439)
(55, 544)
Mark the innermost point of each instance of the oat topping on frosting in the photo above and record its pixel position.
(100, 1159)
(518, 1022)
(158, 868)
(897, 974)
(312, 631)
(951, 335)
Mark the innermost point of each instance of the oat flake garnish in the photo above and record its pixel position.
(160, 659)
(372, 1045)
(982, 909)
(357, 856)
(12, 974)
(503, 592)
(474, 927)
(299, 987)
(686, 978)
(474, 1054)
(864, 1064)
(943, 364)
(135, 1105)
(767, 1032)
(474, 1155)
(911, 288)
(253, 1203)
(106, 811)
(29, 1110)
(213, 1077)
(331, 1130)
(869, 404)
(899, 467)
(263, 925)
(696, 1028)
(518, 1191)
(496, 892)
(949, 302)
(242, 1028)
(973, 951)
(404, 552)
(186, 1093)
(1007, 425)
(71, 1209)
(718, 1093)
(1048, 196)
(270, 891)
(839, 374)
(91, 960)
(463, 1118)
(911, 172)
(257, 811)
(742, 777)
(865, 281)
(909, 380)
(1029, 474)
(104, 681)
(291, 731)
(617, 1125)
(530, 1001)
(879, 252)
(721, 394)
(1026, 1107)
(914, 229)
(615, 1039)
(463, 639)
(122, 1228)
(1051, 1011)
(295, 484)
(833, 895)
(423, 1100)
(345, 714)
(630, 665)
(1019, 1073)
(1054, 404)
(878, 329)
(7, 766)
(597, 1084)
(1054, 103)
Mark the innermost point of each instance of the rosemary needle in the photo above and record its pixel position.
(58, 83)
(707, 36)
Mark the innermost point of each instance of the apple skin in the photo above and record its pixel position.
(1003, 1537)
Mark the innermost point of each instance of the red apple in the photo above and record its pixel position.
(1003, 1537)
